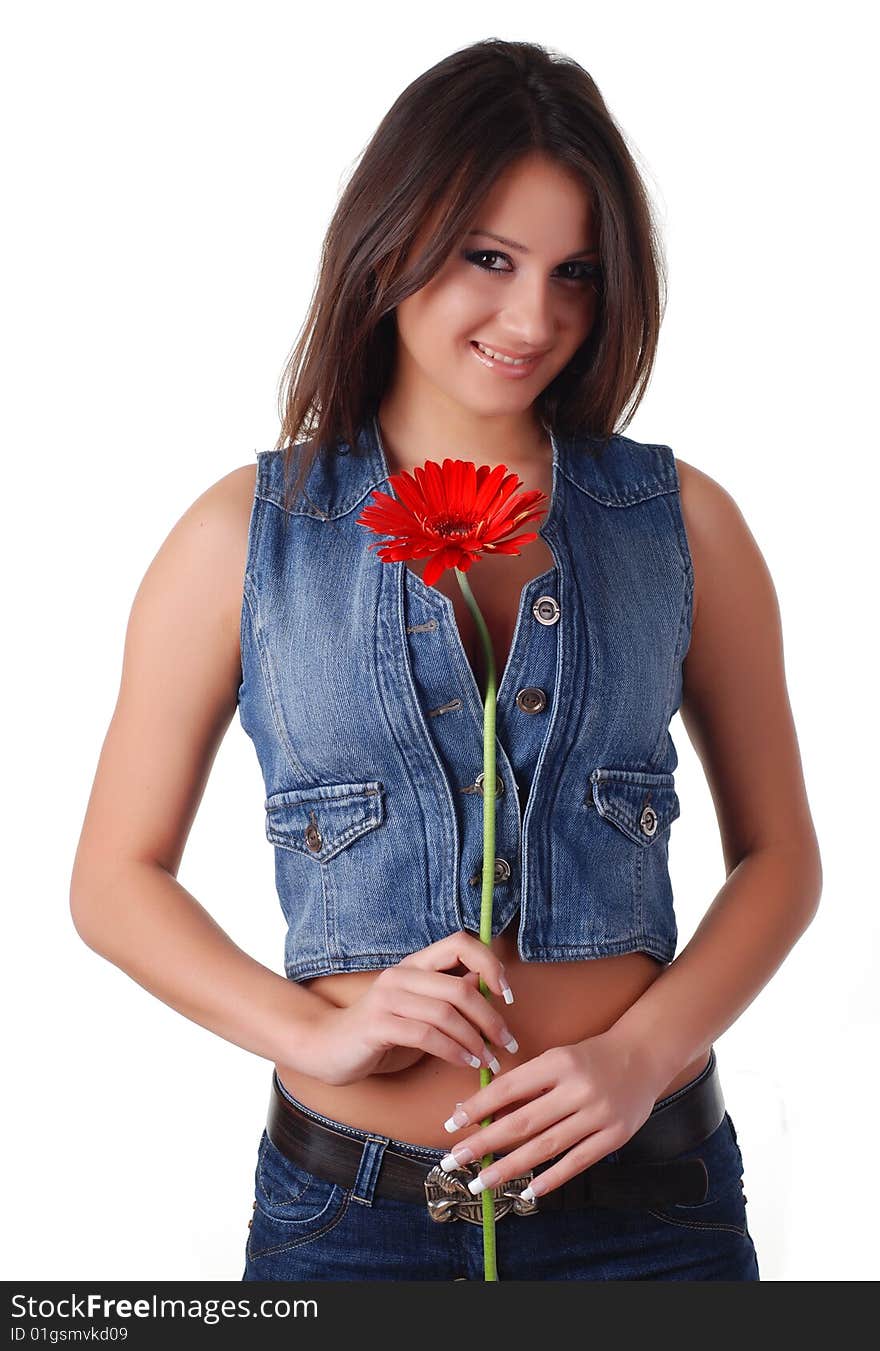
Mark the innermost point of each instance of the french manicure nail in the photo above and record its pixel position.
(506, 990)
(491, 1059)
(486, 1179)
(457, 1158)
(458, 1119)
(471, 1060)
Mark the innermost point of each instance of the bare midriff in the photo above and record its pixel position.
(555, 1004)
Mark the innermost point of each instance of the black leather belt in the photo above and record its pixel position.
(647, 1171)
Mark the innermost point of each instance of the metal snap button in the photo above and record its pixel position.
(531, 700)
(313, 835)
(648, 820)
(501, 873)
(499, 784)
(546, 610)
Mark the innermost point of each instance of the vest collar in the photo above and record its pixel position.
(617, 472)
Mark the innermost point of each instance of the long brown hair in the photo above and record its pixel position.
(470, 117)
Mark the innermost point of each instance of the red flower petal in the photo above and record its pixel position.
(451, 513)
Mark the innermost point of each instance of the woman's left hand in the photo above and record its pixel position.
(588, 1098)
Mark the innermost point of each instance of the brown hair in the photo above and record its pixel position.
(471, 116)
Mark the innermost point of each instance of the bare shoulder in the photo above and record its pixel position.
(238, 486)
(735, 704)
(733, 590)
(717, 532)
(230, 499)
(695, 484)
(181, 672)
(207, 546)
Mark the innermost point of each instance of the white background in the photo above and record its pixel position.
(170, 170)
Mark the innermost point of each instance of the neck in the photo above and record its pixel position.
(412, 435)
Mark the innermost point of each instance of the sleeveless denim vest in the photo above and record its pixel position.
(367, 719)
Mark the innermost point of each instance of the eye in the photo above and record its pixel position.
(584, 272)
(474, 258)
(588, 272)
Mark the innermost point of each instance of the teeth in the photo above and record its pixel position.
(510, 361)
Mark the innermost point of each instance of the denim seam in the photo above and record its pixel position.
(655, 944)
(250, 611)
(293, 1198)
(253, 602)
(647, 493)
(438, 780)
(661, 483)
(467, 705)
(255, 524)
(639, 908)
(526, 813)
(685, 621)
(303, 1238)
(675, 511)
(367, 1175)
(286, 839)
(705, 1225)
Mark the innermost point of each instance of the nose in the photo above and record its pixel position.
(527, 316)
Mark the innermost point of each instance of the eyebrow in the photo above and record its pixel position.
(512, 244)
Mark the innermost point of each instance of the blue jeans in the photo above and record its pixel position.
(307, 1229)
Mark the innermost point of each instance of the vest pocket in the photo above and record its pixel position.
(641, 805)
(322, 820)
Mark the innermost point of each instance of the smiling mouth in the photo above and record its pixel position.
(504, 365)
(514, 362)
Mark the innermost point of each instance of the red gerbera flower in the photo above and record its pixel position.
(454, 513)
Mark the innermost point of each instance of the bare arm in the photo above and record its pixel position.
(736, 712)
(180, 678)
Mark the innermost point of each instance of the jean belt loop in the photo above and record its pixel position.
(368, 1169)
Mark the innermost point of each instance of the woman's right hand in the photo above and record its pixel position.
(416, 1008)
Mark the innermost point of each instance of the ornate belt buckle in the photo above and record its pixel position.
(449, 1199)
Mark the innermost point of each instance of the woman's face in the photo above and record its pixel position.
(533, 295)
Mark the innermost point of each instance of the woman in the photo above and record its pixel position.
(490, 291)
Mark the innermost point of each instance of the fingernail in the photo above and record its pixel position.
(471, 1060)
(486, 1179)
(491, 1059)
(458, 1119)
(456, 1158)
(506, 990)
(528, 1194)
(510, 1044)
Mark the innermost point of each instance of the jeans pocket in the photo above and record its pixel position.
(724, 1206)
(292, 1205)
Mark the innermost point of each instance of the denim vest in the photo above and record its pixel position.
(367, 719)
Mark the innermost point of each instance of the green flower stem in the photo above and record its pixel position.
(489, 756)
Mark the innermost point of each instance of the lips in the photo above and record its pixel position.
(504, 370)
(524, 357)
